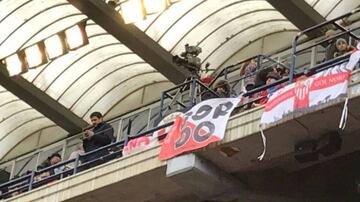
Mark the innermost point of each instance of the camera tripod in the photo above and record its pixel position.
(194, 90)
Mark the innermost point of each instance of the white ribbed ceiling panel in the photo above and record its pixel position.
(97, 76)
(220, 27)
(104, 73)
(18, 121)
(333, 8)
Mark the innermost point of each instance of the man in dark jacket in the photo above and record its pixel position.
(102, 134)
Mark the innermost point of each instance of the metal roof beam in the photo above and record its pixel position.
(300, 13)
(42, 102)
(131, 36)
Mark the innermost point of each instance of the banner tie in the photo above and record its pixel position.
(344, 115)
(260, 158)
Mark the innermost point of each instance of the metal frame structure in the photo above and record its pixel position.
(316, 27)
(27, 183)
(300, 13)
(42, 102)
(189, 85)
(132, 37)
(30, 184)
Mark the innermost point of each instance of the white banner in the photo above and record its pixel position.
(203, 124)
(311, 92)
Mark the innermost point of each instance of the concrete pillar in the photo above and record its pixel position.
(204, 179)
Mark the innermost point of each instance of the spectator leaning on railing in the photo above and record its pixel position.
(248, 71)
(54, 159)
(330, 47)
(102, 134)
(222, 89)
(343, 48)
(271, 77)
(78, 151)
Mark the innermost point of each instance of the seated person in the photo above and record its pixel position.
(271, 77)
(249, 74)
(222, 89)
(283, 71)
(78, 151)
(54, 159)
(342, 48)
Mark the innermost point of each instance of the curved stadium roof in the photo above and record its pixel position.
(107, 76)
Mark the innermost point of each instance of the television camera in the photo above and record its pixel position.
(190, 60)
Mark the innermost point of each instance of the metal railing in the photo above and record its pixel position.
(261, 63)
(325, 24)
(13, 164)
(264, 62)
(191, 86)
(28, 182)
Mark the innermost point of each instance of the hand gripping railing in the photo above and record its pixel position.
(27, 182)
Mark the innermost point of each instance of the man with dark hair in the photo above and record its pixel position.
(101, 134)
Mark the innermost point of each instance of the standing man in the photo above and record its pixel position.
(102, 134)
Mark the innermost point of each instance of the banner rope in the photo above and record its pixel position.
(344, 115)
(260, 158)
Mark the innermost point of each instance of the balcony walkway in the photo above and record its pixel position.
(142, 177)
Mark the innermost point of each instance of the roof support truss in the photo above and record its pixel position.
(42, 102)
(131, 36)
(300, 13)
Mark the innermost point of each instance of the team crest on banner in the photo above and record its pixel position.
(203, 124)
(309, 93)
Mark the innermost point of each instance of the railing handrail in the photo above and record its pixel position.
(192, 82)
(58, 165)
(15, 180)
(259, 57)
(314, 69)
(299, 34)
(63, 163)
(150, 131)
(327, 22)
(328, 39)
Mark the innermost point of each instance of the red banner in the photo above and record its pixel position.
(178, 143)
(203, 124)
